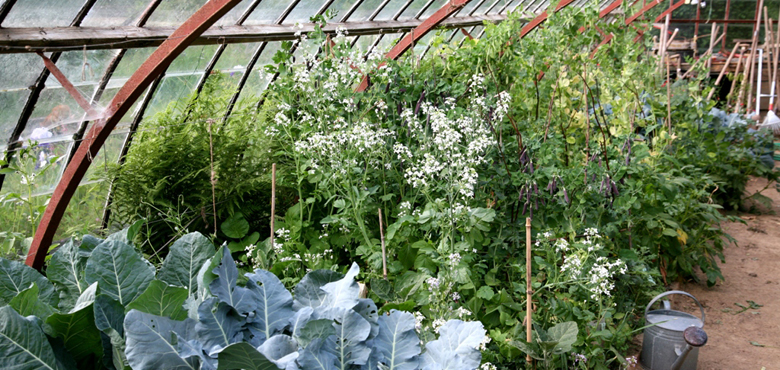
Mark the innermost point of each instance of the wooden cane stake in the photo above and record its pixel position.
(736, 73)
(776, 49)
(382, 238)
(273, 202)
(528, 322)
(712, 43)
(753, 48)
(723, 70)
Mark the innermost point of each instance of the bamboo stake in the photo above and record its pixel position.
(706, 54)
(528, 323)
(671, 38)
(777, 59)
(770, 47)
(382, 238)
(213, 177)
(736, 71)
(753, 57)
(668, 99)
(662, 44)
(273, 203)
(723, 70)
(712, 43)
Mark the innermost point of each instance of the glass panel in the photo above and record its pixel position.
(181, 78)
(437, 4)
(173, 88)
(193, 59)
(19, 70)
(267, 12)
(514, 5)
(12, 103)
(232, 16)
(258, 79)
(388, 41)
(234, 60)
(365, 42)
(57, 114)
(540, 7)
(85, 210)
(387, 12)
(130, 62)
(112, 13)
(422, 44)
(37, 13)
(466, 9)
(37, 163)
(456, 37)
(500, 5)
(340, 7)
(415, 7)
(303, 11)
(127, 118)
(173, 13)
(367, 7)
(107, 156)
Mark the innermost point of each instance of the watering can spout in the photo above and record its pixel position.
(694, 337)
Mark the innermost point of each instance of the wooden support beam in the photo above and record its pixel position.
(25, 40)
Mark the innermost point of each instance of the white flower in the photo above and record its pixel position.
(561, 245)
(454, 258)
(483, 345)
(433, 284)
(418, 320)
(462, 312)
(487, 366)
(455, 296)
(438, 323)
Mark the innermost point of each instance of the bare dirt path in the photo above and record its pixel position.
(749, 339)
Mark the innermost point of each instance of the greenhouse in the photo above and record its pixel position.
(389, 184)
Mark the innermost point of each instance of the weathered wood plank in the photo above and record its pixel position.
(21, 40)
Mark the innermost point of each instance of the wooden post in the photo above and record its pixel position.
(382, 238)
(273, 203)
(528, 322)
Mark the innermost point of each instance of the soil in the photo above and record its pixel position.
(739, 338)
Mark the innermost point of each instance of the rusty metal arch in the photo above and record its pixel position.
(120, 104)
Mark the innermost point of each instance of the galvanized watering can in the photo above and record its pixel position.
(672, 341)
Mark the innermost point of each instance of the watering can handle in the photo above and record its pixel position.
(675, 292)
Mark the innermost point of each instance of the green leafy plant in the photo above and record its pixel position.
(105, 306)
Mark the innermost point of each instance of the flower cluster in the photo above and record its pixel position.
(599, 280)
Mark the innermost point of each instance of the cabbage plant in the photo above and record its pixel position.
(104, 306)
